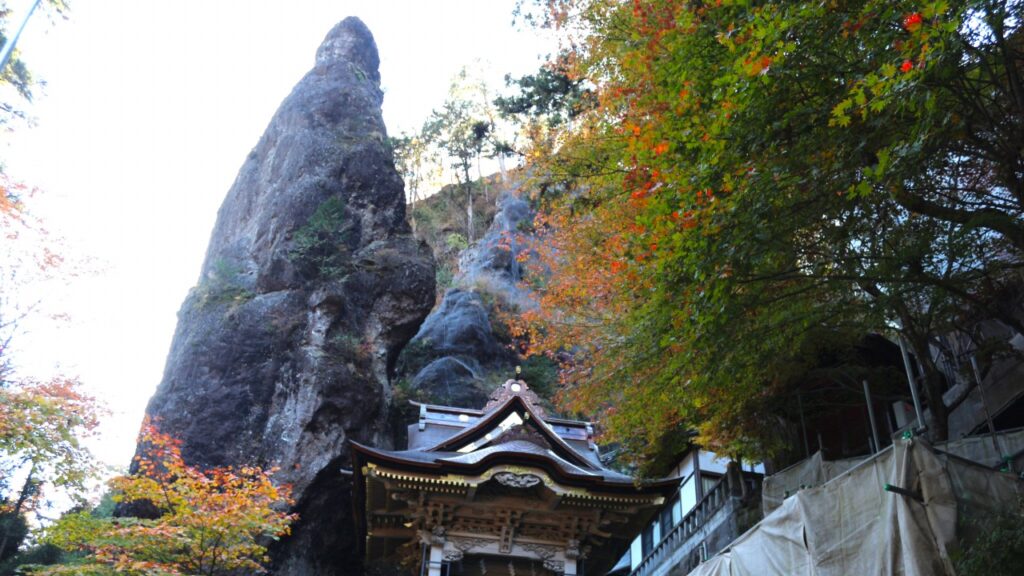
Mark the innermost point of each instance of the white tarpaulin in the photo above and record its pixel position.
(852, 525)
(815, 471)
(982, 449)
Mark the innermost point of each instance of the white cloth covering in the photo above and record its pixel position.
(851, 525)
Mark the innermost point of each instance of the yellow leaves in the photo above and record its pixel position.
(211, 521)
(42, 425)
(840, 117)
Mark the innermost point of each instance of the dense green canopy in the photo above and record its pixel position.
(763, 177)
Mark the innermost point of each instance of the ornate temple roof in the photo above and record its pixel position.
(510, 430)
(506, 475)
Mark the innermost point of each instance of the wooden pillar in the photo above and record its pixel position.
(743, 481)
(436, 559)
(699, 484)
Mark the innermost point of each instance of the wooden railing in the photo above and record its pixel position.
(693, 521)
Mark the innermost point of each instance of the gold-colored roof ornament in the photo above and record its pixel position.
(515, 388)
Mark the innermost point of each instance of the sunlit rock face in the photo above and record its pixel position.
(460, 352)
(493, 264)
(311, 286)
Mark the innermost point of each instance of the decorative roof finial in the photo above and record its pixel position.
(514, 388)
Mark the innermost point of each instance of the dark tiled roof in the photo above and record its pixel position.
(516, 447)
(513, 452)
(468, 440)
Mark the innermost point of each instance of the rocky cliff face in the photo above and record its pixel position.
(460, 353)
(311, 286)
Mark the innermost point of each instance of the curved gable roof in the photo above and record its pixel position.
(485, 429)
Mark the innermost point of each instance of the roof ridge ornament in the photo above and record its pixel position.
(513, 388)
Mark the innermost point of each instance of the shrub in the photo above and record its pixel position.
(456, 241)
(222, 286)
(320, 246)
(997, 549)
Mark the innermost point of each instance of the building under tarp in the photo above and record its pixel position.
(997, 451)
(901, 511)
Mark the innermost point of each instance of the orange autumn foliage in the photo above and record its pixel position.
(215, 521)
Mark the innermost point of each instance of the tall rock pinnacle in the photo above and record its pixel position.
(311, 285)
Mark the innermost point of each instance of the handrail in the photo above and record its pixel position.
(701, 512)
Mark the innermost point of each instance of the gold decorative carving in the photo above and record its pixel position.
(513, 480)
(514, 388)
(464, 544)
(544, 551)
(556, 566)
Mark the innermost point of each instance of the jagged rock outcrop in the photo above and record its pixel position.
(493, 263)
(311, 286)
(452, 350)
(456, 357)
(460, 326)
(451, 381)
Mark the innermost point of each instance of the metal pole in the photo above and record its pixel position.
(871, 417)
(5, 55)
(984, 404)
(803, 424)
(913, 382)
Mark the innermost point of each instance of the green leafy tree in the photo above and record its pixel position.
(16, 73)
(461, 134)
(322, 246)
(543, 105)
(550, 94)
(754, 175)
(17, 76)
(42, 429)
(416, 161)
(44, 423)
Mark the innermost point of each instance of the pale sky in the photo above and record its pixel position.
(149, 110)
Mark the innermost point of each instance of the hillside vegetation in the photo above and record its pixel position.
(441, 220)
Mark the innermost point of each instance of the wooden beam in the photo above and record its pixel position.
(402, 532)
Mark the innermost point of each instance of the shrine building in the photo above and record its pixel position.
(499, 491)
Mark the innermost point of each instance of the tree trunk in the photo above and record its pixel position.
(469, 216)
(502, 169)
(469, 201)
(480, 175)
(26, 489)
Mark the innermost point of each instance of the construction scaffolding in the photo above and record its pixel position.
(1002, 450)
(899, 512)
